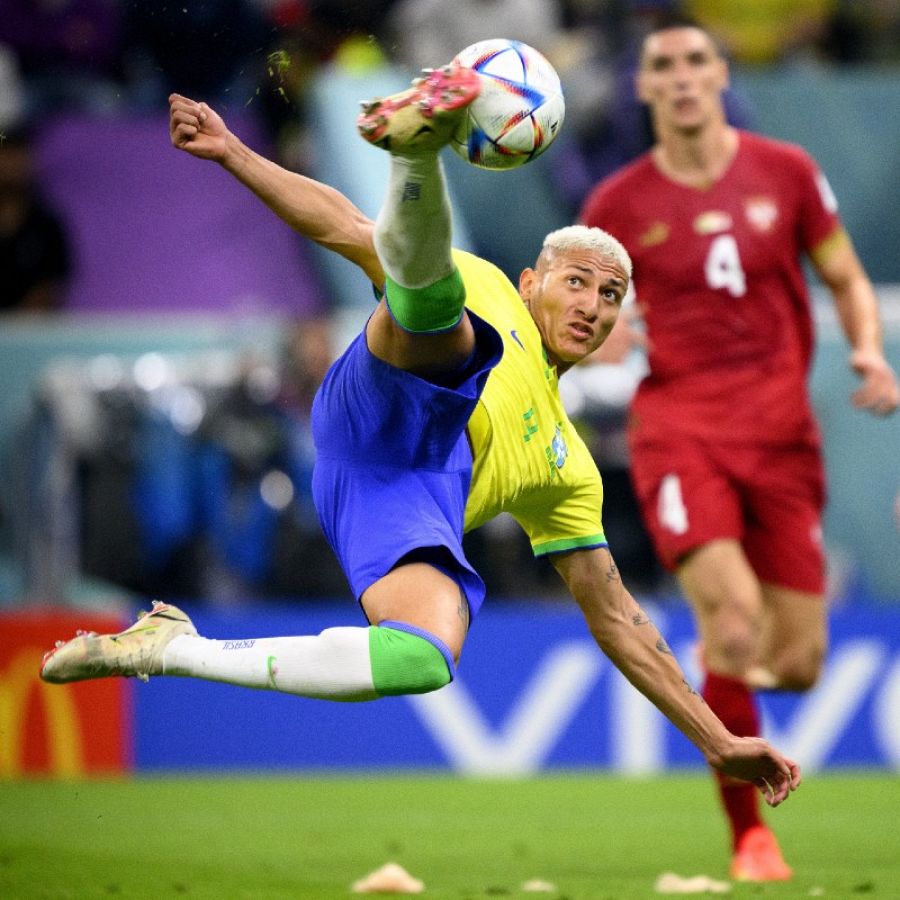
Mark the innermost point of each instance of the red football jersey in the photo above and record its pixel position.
(719, 276)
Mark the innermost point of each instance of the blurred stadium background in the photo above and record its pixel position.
(154, 435)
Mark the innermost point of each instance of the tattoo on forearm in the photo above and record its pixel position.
(639, 619)
(691, 690)
(613, 573)
(663, 647)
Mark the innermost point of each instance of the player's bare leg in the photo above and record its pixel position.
(793, 642)
(728, 602)
(398, 597)
(726, 597)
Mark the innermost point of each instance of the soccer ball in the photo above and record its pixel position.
(519, 110)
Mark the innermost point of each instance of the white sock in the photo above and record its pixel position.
(413, 229)
(333, 665)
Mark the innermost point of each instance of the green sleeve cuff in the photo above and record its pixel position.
(561, 546)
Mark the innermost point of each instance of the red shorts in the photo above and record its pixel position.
(770, 499)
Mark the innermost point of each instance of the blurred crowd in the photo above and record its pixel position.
(121, 58)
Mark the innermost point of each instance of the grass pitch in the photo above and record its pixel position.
(595, 837)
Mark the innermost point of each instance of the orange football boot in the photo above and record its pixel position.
(758, 858)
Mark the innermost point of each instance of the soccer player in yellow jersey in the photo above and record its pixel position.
(441, 414)
(528, 459)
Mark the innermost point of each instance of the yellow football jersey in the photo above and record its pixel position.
(528, 459)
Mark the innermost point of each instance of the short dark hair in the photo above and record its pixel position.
(670, 19)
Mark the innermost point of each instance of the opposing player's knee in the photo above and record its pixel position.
(799, 670)
(408, 660)
(731, 644)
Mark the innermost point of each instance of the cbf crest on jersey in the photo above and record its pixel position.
(558, 448)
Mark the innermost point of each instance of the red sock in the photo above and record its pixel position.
(732, 701)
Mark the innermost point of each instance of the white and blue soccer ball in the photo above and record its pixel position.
(519, 110)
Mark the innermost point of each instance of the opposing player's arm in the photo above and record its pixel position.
(628, 637)
(315, 210)
(839, 267)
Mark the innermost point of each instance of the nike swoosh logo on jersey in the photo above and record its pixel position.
(515, 336)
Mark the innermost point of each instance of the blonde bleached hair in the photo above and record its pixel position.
(580, 237)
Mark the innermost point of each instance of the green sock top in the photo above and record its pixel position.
(427, 310)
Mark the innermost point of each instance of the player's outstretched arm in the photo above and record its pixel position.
(857, 307)
(628, 637)
(313, 209)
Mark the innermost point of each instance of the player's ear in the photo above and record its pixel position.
(640, 87)
(527, 281)
(724, 75)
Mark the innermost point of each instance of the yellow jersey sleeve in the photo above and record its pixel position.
(528, 460)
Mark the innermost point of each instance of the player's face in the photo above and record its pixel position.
(681, 78)
(574, 297)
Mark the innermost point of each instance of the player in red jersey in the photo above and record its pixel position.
(725, 449)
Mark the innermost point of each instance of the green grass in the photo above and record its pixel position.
(594, 837)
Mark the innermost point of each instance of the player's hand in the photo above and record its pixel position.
(196, 128)
(879, 392)
(753, 759)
